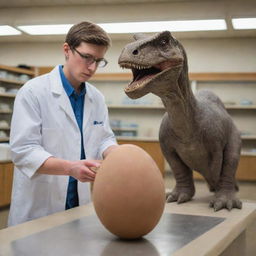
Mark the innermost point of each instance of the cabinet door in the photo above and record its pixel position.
(6, 176)
(152, 148)
(247, 168)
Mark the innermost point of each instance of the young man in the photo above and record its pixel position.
(59, 125)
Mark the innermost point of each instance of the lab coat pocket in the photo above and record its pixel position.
(94, 140)
(51, 140)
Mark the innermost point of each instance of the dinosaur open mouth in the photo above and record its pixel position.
(143, 74)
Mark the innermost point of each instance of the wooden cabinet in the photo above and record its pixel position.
(151, 147)
(247, 168)
(6, 176)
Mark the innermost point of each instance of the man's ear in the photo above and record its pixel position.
(65, 50)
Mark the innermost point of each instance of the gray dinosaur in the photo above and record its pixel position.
(196, 132)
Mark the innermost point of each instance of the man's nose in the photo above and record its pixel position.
(93, 66)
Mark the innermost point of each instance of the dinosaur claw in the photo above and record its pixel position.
(239, 205)
(217, 206)
(183, 198)
(170, 199)
(211, 204)
(225, 200)
(229, 205)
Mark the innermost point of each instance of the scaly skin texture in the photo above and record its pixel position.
(196, 132)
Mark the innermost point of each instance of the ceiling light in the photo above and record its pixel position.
(6, 30)
(157, 26)
(46, 29)
(244, 23)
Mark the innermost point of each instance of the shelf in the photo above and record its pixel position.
(136, 138)
(135, 106)
(5, 111)
(249, 137)
(5, 161)
(4, 139)
(11, 81)
(244, 137)
(227, 106)
(8, 95)
(5, 128)
(112, 77)
(248, 153)
(125, 129)
(17, 70)
(223, 76)
(138, 106)
(193, 76)
(130, 138)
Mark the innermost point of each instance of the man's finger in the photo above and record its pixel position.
(91, 163)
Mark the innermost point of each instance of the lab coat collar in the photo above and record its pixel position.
(56, 84)
(57, 88)
(68, 87)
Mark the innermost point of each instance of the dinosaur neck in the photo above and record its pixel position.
(180, 105)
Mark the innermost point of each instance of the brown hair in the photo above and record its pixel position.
(87, 32)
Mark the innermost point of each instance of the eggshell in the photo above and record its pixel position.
(129, 192)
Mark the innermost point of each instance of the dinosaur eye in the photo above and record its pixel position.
(163, 42)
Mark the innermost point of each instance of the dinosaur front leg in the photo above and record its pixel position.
(225, 196)
(184, 189)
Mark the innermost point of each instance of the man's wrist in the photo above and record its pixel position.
(67, 167)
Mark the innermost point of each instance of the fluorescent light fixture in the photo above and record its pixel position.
(6, 30)
(133, 27)
(157, 26)
(59, 29)
(244, 23)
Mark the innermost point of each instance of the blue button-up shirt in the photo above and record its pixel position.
(77, 103)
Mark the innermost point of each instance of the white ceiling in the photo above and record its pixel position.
(26, 12)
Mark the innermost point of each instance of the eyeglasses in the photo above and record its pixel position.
(89, 59)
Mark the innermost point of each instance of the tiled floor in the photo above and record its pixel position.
(247, 192)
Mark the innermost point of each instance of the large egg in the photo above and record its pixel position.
(129, 192)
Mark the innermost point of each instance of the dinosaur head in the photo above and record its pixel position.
(153, 61)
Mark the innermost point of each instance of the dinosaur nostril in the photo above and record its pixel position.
(135, 52)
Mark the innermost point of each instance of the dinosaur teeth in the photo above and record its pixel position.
(134, 65)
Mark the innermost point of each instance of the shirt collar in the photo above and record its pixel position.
(68, 87)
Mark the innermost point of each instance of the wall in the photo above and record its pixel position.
(205, 55)
(236, 54)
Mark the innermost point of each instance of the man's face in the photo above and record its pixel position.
(79, 70)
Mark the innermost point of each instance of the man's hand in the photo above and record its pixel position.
(84, 170)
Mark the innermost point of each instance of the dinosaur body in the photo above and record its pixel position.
(196, 132)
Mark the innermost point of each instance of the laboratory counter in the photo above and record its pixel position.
(185, 229)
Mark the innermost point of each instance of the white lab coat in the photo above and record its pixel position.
(44, 125)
